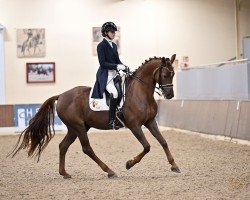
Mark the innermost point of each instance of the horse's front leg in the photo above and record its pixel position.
(137, 131)
(153, 128)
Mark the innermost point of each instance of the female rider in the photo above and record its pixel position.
(109, 65)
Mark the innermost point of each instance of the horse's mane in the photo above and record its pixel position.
(133, 73)
(150, 59)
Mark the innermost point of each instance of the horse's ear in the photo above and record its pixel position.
(163, 59)
(173, 58)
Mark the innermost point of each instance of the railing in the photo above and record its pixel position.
(220, 64)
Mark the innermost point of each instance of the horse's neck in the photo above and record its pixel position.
(145, 74)
(146, 71)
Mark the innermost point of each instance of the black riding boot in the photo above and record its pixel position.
(112, 117)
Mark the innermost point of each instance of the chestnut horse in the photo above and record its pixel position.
(72, 106)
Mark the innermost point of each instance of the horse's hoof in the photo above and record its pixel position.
(175, 169)
(67, 176)
(112, 175)
(128, 164)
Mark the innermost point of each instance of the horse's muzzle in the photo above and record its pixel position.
(169, 96)
(168, 92)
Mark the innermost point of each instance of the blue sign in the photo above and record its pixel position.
(24, 112)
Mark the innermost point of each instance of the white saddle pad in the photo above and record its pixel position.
(100, 104)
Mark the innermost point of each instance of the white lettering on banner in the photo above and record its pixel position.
(29, 112)
(21, 117)
(24, 113)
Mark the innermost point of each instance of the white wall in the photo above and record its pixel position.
(203, 30)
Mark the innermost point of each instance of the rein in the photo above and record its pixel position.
(161, 86)
(143, 82)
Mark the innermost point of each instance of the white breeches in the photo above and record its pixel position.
(111, 87)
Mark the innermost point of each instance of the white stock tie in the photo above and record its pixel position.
(110, 44)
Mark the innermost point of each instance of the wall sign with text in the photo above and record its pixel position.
(24, 112)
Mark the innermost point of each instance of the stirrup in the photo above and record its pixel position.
(113, 125)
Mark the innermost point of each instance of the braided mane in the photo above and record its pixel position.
(150, 59)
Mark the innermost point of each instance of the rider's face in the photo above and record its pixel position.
(111, 34)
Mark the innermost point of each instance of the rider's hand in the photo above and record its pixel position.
(126, 70)
(121, 67)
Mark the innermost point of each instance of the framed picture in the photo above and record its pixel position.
(30, 43)
(97, 38)
(40, 72)
(185, 62)
(176, 64)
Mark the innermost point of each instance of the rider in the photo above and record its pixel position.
(109, 65)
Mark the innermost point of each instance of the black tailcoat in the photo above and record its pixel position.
(108, 58)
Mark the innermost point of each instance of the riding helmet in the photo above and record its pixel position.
(108, 26)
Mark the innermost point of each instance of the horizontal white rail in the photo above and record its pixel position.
(220, 64)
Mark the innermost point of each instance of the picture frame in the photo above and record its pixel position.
(41, 72)
(31, 43)
(176, 64)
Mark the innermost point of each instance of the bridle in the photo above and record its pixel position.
(161, 86)
(160, 68)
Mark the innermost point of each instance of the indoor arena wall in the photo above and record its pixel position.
(148, 28)
(227, 118)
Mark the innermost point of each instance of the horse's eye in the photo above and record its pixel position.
(165, 76)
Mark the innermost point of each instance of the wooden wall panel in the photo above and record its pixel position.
(6, 116)
(218, 117)
(243, 128)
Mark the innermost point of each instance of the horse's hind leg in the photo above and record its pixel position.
(137, 131)
(153, 128)
(87, 149)
(63, 147)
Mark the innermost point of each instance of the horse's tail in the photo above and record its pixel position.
(39, 132)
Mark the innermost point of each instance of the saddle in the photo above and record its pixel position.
(103, 104)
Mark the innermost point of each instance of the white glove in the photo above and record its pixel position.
(121, 67)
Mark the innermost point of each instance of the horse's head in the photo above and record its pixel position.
(163, 75)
